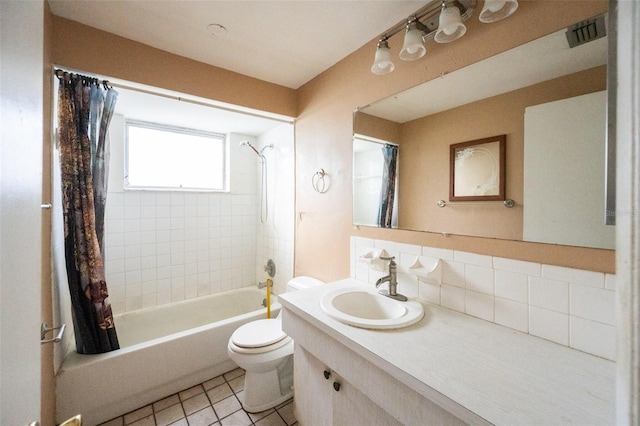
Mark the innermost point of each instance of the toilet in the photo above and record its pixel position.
(265, 352)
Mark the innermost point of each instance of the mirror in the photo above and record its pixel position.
(371, 182)
(488, 98)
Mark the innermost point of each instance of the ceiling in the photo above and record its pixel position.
(282, 42)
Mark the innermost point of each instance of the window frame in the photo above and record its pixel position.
(180, 130)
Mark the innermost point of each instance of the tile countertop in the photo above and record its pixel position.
(502, 375)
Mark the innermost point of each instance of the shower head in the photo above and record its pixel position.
(259, 153)
(247, 143)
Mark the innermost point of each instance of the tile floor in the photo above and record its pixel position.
(214, 402)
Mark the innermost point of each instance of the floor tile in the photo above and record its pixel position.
(138, 414)
(166, 402)
(286, 412)
(196, 403)
(191, 392)
(239, 418)
(219, 393)
(203, 417)
(271, 420)
(146, 421)
(216, 381)
(227, 406)
(237, 384)
(216, 402)
(257, 416)
(169, 415)
(233, 374)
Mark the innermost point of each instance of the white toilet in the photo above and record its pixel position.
(265, 352)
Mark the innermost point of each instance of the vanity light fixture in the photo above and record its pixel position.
(450, 25)
(413, 47)
(442, 21)
(382, 63)
(496, 10)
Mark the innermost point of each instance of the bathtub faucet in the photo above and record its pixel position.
(392, 280)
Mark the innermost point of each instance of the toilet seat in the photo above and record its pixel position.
(258, 337)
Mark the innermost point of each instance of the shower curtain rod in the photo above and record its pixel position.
(240, 110)
(62, 74)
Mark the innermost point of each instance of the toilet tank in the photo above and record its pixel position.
(302, 282)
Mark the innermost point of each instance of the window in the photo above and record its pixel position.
(165, 157)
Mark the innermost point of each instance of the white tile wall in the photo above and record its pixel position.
(568, 306)
(184, 245)
(275, 237)
(163, 247)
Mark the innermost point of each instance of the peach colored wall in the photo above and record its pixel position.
(87, 49)
(375, 127)
(324, 132)
(424, 157)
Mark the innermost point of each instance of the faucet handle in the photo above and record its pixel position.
(391, 259)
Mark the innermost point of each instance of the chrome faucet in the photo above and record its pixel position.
(392, 280)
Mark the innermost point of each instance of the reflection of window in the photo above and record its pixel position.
(164, 157)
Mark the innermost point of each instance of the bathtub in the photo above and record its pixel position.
(164, 350)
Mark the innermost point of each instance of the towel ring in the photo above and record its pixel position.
(318, 181)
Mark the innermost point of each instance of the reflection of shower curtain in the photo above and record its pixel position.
(388, 189)
(84, 113)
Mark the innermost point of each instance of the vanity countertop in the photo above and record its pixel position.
(501, 375)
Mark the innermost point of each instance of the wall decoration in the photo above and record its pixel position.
(477, 170)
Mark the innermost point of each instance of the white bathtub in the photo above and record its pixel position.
(164, 350)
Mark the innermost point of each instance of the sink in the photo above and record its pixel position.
(360, 307)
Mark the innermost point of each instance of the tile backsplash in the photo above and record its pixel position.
(568, 306)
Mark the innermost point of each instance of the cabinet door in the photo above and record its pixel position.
(323, 398)
(313, 393)
(351, 407)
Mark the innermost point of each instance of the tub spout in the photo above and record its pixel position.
(264, 284)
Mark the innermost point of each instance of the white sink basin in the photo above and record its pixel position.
(364, 308)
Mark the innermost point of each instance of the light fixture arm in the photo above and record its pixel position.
(466, 10)
(422, 27)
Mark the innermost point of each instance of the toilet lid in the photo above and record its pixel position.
(258, 333)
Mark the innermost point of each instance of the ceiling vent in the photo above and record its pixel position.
(586, 31)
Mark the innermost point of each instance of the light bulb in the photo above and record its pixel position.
(382, 63)
(495, 10)
(450, 26)
(413, 47)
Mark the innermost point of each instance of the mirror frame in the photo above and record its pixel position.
(468, 147)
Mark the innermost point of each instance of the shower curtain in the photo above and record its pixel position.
(84, 113)
(388, 189)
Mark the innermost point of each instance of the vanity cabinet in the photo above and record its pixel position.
(322, 397)
(367, 394)
(448, 369)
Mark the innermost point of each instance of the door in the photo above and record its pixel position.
(21, 93)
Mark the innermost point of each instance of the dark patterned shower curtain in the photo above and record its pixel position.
(84, 113)
(388, 189)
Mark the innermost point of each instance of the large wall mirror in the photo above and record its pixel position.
(549, 100)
